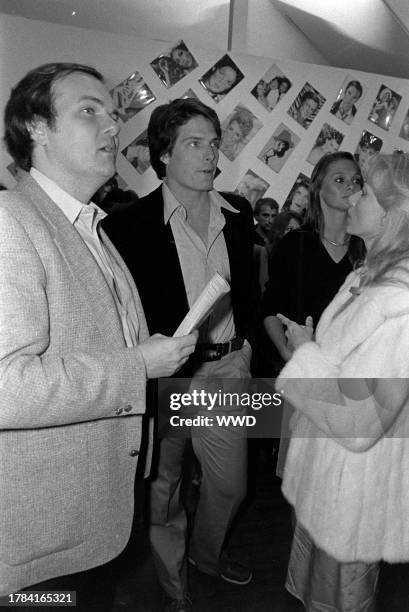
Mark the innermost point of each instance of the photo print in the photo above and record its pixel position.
(279, 148)
(328, 141)
(349, 97)
(137, 153)
(305, 107)
(298, 198)
(252, 187)
(404, 130)
(271, 88)
(237, 130)
(384, 107)
(221, 78)
(131, 96)
(368, 146)
(174, 64)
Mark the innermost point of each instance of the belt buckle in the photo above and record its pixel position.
(216, 354)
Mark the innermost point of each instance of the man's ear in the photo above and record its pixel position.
(37, 128)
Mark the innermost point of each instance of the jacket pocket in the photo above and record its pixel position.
(44, 484)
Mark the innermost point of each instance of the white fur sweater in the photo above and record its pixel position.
(351, 493)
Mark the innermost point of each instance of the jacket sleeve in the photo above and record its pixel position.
(356, 412)
(41, 386)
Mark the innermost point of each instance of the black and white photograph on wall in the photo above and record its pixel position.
(221, 78)
(237, 130)
(404, 130)
(349, 97)
(368, 146)
(279, 148)
(306, 106)
(252, 187)
(328, 141)
(384, 107)
(131, 96)
(298, 198)
(174, 64)
(271, 88)
(137, 153)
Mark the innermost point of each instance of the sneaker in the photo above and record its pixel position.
(231, 571)
(178, 605)
(234, 572)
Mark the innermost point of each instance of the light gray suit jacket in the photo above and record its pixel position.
(71, 398)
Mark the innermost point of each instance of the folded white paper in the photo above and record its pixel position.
(214, 290)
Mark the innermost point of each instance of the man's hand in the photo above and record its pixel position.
(164, 356)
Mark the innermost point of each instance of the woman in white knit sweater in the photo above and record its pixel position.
(347, 468)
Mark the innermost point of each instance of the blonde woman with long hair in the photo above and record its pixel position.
(347, 467)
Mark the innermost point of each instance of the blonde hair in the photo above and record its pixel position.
(388, 176)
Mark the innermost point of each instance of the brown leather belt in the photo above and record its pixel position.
(214, 352)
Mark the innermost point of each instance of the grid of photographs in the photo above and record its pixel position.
(278, 138)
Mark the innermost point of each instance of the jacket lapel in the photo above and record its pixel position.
(143, 328)
(86, 274)
(232, 236)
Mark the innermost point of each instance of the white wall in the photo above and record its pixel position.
(270, 34)
(25, 44)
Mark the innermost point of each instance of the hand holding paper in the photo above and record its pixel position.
(214, 290)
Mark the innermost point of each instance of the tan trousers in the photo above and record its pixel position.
(222, 453)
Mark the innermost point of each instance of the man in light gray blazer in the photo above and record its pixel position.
(74, 347)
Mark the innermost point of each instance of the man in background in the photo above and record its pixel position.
(265, 211)
(75, 352)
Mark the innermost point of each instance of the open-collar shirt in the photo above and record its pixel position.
(200, 261)
(85, 218)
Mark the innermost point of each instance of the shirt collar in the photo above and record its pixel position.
(171, 203)
(69, 205)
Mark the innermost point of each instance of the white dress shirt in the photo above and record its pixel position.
(85, 218)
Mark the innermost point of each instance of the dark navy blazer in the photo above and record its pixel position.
(148, 247)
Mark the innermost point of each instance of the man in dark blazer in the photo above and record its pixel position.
(184, 232)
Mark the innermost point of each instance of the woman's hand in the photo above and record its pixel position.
(297, 334)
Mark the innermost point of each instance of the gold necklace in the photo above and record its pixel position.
(336, 244)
